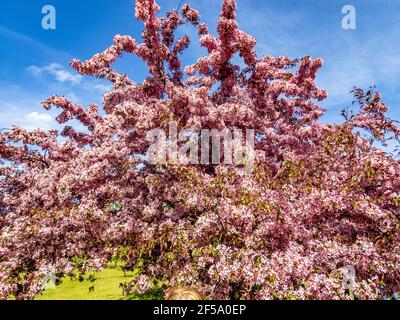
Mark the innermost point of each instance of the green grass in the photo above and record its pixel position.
(106, 287)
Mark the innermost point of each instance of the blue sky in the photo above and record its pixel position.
(34, 61)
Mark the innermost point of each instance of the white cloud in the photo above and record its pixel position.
(40, 117)
(14, 115)
(36, 120)
(57, 72)
(21, 107)
(102, 87)
(34, 70)
(90, 88)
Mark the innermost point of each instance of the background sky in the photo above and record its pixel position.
(34, 63)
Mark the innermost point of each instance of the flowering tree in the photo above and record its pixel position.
(320, 196)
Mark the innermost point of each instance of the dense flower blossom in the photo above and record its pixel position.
(320, 197)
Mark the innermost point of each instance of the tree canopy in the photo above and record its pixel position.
(320, 196)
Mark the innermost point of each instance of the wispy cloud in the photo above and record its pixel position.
(56, 71)
(363, 57)
(22, 107)
(33, 43)
(102, 87)
(363, 63)
(16, 115)
(36, 116)
(69, 80)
